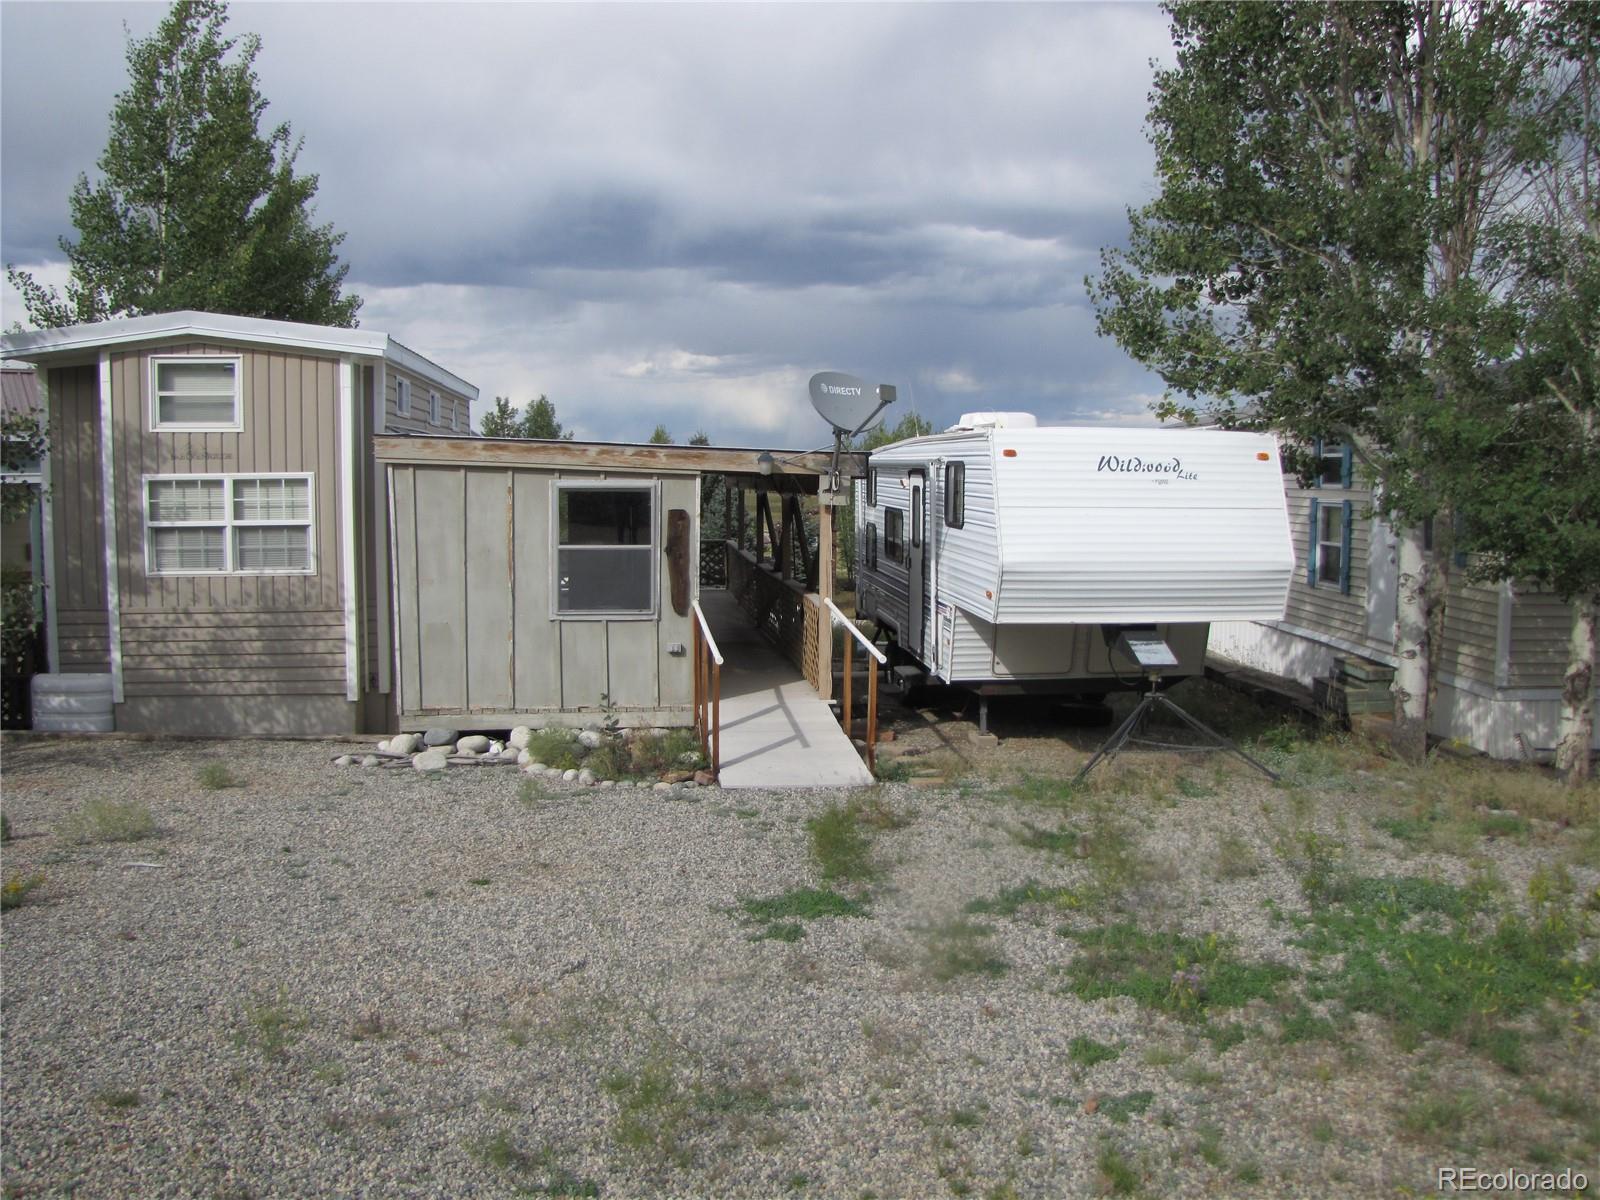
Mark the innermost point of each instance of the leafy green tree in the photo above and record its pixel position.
(909, 426)
(660, 437)
(1315, 261)
(23, 442)
(197, 207)
(538, 420)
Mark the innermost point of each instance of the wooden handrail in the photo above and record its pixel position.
(839, 618)
(707, 689)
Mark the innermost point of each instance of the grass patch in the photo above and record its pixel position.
(1183, 976)
(840, 844)
(1117, 1174)
(1438, 960)
(1060, 841)
(122, 1098)
(108, 821)
(960, 947)
(1234, 859)
(16, 889)
(555, 748)
(803, 904)
(272, 1028)
(1009, 902)
(529, 793)
(1086, 1052)
(1439, 1116)
(1122, 1109)
(551, 1178)
(215, 776)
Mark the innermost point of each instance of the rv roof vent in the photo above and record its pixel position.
(997, 420)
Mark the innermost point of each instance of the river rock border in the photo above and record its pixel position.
(441, 748)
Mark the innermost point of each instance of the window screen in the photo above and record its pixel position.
(200, 393)
(955, 494)
(605, 542)
(228, 524)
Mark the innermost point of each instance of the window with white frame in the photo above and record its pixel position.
(402, 397)
(435, 412)
(195, 394)
(228, 524)
(605, 549)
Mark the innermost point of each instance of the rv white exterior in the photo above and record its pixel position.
(1023, 546)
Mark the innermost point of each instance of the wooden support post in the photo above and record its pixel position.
(716, 717)
(699, 654)
(824, 587)
(844, 704)
(872, 715)
(738, 526)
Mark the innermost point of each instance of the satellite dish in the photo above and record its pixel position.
(849, 404)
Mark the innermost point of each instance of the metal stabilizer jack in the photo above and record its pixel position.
(1148, 702)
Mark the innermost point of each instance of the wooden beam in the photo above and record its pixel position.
(797, 466)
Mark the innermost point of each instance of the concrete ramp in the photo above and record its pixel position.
(776, 732)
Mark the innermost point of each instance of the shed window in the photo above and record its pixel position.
(955, 494)
(195, 394)
(605, 558)
(228, 524)
(402, 397)
(894, 534)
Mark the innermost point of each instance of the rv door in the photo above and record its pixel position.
(917, 601)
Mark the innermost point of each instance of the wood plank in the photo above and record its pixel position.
(241, 660)
(229, 618)
(405, 551)
(239, 675)
(536, 639)
(584, 663)
(441, 518)
(631, 663)
(219, 692)
(488, 600)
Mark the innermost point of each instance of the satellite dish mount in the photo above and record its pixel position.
(852, 406)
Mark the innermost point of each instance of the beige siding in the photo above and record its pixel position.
(1471, 623)
(1323, 607)
(77, 517)
(475, 631)
(239, 635)
(1541, 628)
(417, 421)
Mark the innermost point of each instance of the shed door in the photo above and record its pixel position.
(917, 480)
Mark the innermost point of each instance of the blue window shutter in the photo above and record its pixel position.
(1344, 551)
(1344, 468)
(1311, 548)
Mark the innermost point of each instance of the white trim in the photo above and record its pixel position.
(380, 398)
(617, 484)
(1502, 635)
(347, 529)
(397, 688)
(108, 498)
(327, 339)
(52, 636)
(228, 524)
(380, 540)
(152, 368)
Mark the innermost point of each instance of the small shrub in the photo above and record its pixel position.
(272, 1028)
(555, 748)
(529, 793)
(1174, 973)
(655, 753)
(1086, 1052)
(840, 847)
(215, 776)
(1121, 1108)
(108, 821)
(16, 889)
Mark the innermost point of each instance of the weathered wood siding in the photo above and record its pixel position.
(244, 635)
(475, 633)
(78, 520)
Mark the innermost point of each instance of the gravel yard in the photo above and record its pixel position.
(318, 981)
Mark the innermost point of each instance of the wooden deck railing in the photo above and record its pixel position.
(878, 659)
(707, 690)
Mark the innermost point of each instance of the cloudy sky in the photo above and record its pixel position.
(677, 213)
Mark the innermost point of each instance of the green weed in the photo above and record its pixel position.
(1183, 976)
(1010, 901)
(781, 915)
(838, 843)
(108, 821)
(17, 887)
(1122, 1108)
(1086, 1052)
(959, 947)
(555, 748)
(120, 1098)
(1060, 841)
(272, 1028)
(1118, 1174)
(215, 776)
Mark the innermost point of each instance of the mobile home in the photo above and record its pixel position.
(1004, 556)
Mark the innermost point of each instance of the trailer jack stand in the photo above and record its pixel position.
(1136, 718)
(983, 713)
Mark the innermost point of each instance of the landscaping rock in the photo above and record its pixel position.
(440, 737)
(460, 753)
(569, 775)
(677, 777)
(705, 778)
(383, 747)
(521, 736)
(608, 783)
(590, 738)
(473, 743)
(587, 777)
(431, 760)
(401, 743)
(344, 760)
(370, 760)
(511, 755)
(523, 757)
(662, 787)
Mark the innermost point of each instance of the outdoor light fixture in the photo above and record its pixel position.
(765, 462)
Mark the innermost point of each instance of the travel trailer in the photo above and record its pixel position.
(1008, 557)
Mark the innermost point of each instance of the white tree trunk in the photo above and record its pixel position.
(1412, 648)
(1577, 692)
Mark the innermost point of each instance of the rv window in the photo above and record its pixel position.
(894, 520)
(872, 487)
(955, 494)
(871, 547)
(605, 542)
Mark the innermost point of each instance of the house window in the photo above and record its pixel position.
(872, 487)
(894, 534)
(454, 426)
(1333, 465)
(1328, 552)
(402, 396)
(605, 549)
(435, 413)
(228, 524)
(955, 494)
(195, 394)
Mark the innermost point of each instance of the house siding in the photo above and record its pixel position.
(1323, 606)
(253, 646)
(1541, 630)
(417, 420)
(79, 575)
